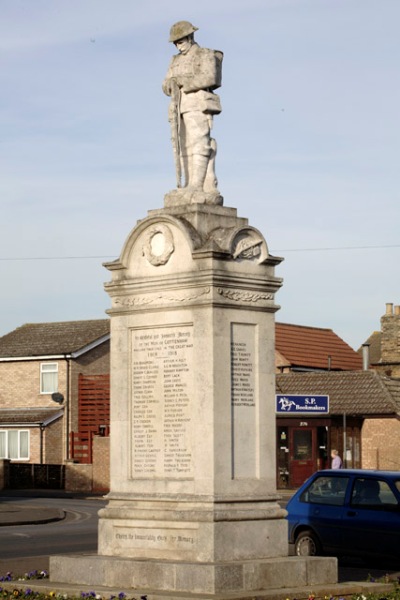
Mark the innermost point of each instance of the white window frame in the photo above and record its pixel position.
(52, 368)
(4, 433)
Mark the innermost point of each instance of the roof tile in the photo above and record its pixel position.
(46, 339)
(350, 392)
(315, 348)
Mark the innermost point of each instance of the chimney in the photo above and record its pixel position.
(390, 334)
(365, 356)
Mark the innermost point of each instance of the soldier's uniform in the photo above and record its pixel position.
(197, 73)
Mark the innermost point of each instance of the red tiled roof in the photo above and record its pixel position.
(311, 347)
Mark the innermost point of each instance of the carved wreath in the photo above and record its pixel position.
(147, 250)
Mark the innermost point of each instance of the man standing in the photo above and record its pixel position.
(192, 77)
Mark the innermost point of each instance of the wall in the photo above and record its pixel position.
(94, 477)
(101, 463)
(380, 444)
(78, 478)
(34, 445)
(3, 473)
(53, 451)
(390, 341)
(20, 388)
(20, 384)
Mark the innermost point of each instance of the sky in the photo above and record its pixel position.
(308, 147)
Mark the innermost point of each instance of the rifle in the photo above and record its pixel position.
(174, 118)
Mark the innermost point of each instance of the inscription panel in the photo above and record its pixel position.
(244, 401)
(157, 538)
(162, 392)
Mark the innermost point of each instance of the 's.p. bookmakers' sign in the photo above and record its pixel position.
(302, 404)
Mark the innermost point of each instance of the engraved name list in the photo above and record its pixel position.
(161, 396)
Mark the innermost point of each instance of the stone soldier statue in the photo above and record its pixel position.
(193, 75)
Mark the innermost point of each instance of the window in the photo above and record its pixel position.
(373, 493)
(326, 490)
(302, 442)
(14, 444)
(48, 378)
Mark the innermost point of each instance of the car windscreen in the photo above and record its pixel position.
(326, 489)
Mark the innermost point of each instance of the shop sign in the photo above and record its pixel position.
(294, 404)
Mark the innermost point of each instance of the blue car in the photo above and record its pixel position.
(346, 512)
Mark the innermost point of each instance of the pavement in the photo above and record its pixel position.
(20, 514)
(13, 510)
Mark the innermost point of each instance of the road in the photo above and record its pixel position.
(27, 547)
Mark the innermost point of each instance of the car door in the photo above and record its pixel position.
(323, 508)
(372, 519)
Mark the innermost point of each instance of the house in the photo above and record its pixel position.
(300, 348)
(384, 345)
(54, 390)
(363, 420)
(363, 423)
(54, 400)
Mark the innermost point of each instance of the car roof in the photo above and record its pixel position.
(360, 472)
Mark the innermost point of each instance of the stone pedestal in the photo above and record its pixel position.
(193, 502)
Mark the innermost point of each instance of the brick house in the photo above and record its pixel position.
(364, 413)
(46, 372)
(384, 345)
(363, 424)
(42, 364)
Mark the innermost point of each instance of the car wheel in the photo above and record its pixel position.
(306, 544)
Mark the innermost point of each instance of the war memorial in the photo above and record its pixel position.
(193, 509)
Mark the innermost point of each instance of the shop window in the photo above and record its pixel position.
(283, 457)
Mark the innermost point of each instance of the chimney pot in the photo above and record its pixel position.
(365, 356)
(389, 308)
(397, 310)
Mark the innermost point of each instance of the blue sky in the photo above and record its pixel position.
(308, 140)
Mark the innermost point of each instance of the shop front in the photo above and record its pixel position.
(302, 449)
(304, 445)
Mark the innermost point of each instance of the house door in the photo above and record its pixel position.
(302, 460)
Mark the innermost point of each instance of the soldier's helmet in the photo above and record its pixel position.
(180, 30)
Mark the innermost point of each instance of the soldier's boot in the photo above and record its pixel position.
(199, 165)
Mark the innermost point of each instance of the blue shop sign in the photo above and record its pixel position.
(313, 405)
